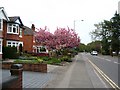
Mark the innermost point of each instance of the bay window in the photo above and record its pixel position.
(12, 43)
(13, 28)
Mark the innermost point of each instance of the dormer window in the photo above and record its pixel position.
(13, 28)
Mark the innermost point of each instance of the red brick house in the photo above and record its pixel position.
(29, 44)
(3, 25)
(11, 31)
(28, 39)
(14, 33)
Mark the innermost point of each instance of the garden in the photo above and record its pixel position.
(57, 58)
(61, 46)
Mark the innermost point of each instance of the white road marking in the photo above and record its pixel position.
(108, 60)
(116, 62)
(113, 84)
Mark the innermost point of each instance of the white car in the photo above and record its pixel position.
(94, 53)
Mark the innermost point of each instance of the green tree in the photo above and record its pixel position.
(82, 47)
(115, 37)
(96, 45)
(108, 32)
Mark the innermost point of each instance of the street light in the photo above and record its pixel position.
(75, 23)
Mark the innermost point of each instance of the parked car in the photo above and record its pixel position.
(114, 53)
(94, 53)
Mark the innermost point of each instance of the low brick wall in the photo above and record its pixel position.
(28, 67)
(13, 82)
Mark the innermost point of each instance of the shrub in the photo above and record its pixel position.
(10, 52)
(45, 58)
(65, 58)
(40, 60)
(26, 61)
(53, 60)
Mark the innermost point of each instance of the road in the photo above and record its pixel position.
(109, 65)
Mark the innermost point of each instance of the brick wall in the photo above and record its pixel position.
(4, 32)
(0, 56)
(14, 81)
(28, 43)
(29, 67)
(1, 35)
(14, 37)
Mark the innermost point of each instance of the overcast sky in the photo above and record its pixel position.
(62, 13)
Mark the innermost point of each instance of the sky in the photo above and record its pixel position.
(62, 13)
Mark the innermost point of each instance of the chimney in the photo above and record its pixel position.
(33, 27)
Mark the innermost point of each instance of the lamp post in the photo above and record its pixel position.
(75, 23)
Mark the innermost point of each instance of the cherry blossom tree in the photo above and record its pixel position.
(44, 37)
(62, 38)
(66, 38)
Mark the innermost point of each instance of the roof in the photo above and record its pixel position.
(28, 31)
(2, 9)
(14, 18)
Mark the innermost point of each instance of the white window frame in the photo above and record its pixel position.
(38, 49)
(1, 23)
(12, 43)
(1, 46)
(12, 26)
(20, 32)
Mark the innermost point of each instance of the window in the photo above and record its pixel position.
(20, 32)
(10, 28)
(13, 28)
(0, 46)
(12, 43)
(38, 49)
(41, 49)
(9, 44)
(1, 24)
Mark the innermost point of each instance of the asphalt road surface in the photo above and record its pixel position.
(108, 64)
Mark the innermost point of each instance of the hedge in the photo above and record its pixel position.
(10, 52)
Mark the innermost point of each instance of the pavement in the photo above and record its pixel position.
(77, 74)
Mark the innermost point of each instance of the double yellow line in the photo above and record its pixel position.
(112, 84)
